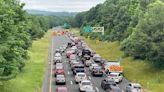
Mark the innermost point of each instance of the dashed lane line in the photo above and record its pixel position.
(97, 89)
(71, 82)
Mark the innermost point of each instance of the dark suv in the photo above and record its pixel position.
(107, 83)
(97, 70)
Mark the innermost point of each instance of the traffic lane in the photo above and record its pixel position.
(72, 86)
(96, 80)
(123, 84)
(58, 41)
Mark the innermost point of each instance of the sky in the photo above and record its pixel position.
(61, 5)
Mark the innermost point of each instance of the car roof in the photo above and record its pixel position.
(57, 54)
(81, 73)
(62, 88)
(135, 84)
(86, 81)
(95, 65)
(114, 73)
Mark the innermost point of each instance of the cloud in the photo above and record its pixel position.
(61, 5)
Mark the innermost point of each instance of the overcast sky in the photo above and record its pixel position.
(61, 5)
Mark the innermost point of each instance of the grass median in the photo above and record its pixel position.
(30, 79)
(134, 70)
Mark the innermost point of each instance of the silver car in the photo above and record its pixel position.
(133, 87)
(60, 79)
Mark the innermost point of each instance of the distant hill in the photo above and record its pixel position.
(48, 13)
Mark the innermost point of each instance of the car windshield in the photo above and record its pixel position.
(79, 66)
(59, 68)
(60, 76)
(86, 83)
(97, 67)
(81, 75)
(112, 75)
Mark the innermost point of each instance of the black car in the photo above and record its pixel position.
(78, 68)
(85, 57)
(107, 83)
(97, 70)
(86, 52)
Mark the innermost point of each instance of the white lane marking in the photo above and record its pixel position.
(68, 73)
(89, 77)
(71, 82)
(97, 89)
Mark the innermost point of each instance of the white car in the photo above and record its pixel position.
(85, 85)
(92, 66)
(80, 77)
(57, 57)
(118, 77)
(133, 87)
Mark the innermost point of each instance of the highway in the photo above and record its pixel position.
(49, 80)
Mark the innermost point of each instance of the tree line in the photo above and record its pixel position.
(137, 24)
(17, 31)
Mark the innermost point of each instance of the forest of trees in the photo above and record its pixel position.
(137, 24)
(17, 31)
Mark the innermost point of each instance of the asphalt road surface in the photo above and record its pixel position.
(49, 80)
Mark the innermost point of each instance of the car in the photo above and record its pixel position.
(72, 57)
(62, 89)
(60, 79)
(57, 58)
(133, 87)
(88, 63)
(69, 44)
(85, 57)
(78, 68)
(118, 77)
(97, 58)
(57, 51)
(97, 70)
(80, 77)
(86, 51)
(85, 85)
(59, 71)
(92, 65)
(61, 49)
(107, 83)
(69, 52)
(114, 89)
(73, 64)
(59, 66)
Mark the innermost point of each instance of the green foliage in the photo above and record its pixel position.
(17, 30)
(147, 41)
(138, 24)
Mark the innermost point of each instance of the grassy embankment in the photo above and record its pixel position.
(30, 80)
(134, 70)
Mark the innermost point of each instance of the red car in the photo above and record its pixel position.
(59, 71)
(62, 89)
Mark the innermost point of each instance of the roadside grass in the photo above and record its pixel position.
(134, 70)
(30, 79)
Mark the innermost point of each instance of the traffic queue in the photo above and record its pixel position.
(80, 57)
